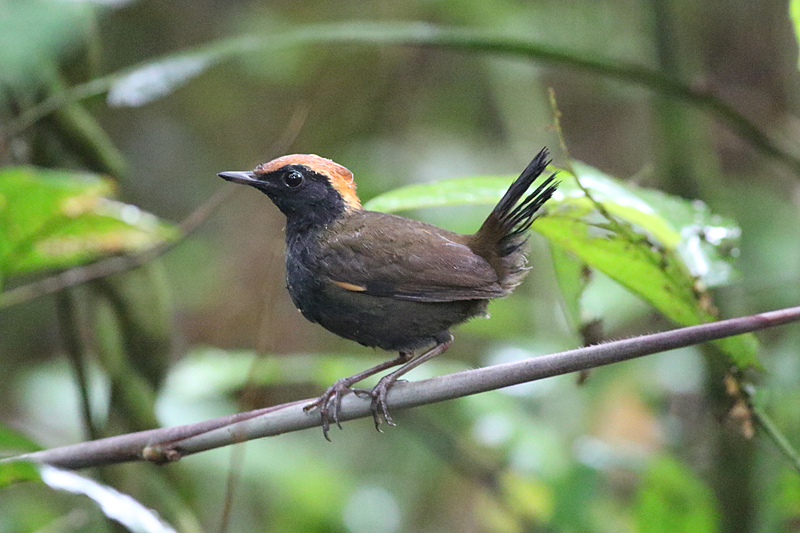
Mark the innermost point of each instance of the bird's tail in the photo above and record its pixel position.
(501, 238)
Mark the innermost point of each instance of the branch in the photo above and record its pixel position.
(417, 34)
(170, 444)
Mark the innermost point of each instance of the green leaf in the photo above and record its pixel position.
(665, 249)
(785, 495)
(794, 15)
(16, 472)
(14, 442)
(157, 79)
(671, 498)
(473, 190)
(58, 219)
(571, 276)
(35, 35)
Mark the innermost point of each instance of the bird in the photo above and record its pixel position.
(387, 281)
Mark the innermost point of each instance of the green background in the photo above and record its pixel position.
(208, 329)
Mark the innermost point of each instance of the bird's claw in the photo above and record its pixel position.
(329, 404)
(379, 406)
(380, 411)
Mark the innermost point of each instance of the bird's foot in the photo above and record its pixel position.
(330, 403)
(379, 406)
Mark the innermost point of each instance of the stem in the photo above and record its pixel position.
(170, 444)
(780, 440)
(76, 350)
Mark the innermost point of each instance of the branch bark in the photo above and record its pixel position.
(170, 444)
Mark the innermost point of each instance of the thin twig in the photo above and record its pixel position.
(57, 100)
(232, 481)
(170, 444)
(72, 333)
(775, 435)
(614, 224)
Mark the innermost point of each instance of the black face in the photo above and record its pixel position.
(304, 196)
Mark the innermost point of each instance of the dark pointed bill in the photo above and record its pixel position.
(245, 178)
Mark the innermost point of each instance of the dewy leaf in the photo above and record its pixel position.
(665, 249)
(59, 219)
(114, 504)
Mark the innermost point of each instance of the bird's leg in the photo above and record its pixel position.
(378, 393)
(331, 400)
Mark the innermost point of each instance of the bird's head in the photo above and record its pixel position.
(307, 188)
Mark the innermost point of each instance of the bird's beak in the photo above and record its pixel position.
(245, 178)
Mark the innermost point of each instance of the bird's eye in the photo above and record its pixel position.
(293, 179)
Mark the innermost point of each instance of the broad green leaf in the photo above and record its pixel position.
(665, 249)
(785, 494)
(474, 190)
(671, 498)
(58, 219)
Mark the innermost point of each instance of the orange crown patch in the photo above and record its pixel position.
(340, 178)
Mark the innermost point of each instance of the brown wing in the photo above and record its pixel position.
(387, 255)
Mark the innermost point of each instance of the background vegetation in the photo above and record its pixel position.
(208, 329)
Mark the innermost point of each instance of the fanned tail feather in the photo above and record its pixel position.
(502, 236)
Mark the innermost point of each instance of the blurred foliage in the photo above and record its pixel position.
(54, 219)
(674, 499)
(116, 506)
(413, 97)
(794, 13)
(664, 249)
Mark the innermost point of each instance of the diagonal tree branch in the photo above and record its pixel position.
(170, 444)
